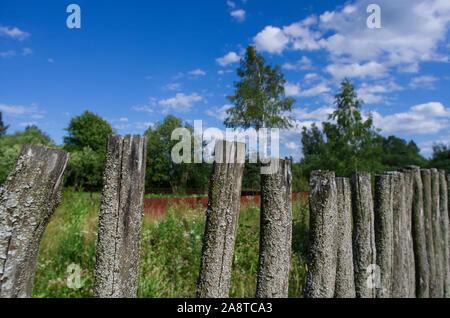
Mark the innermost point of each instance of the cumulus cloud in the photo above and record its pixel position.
(294, 90)
(271, 39)
(197, 72)
(425, 81)
(14, 33)
(229, 58)
(303, 64)
(180, 103)
(370, 69)
(429, 118)
(20, 110)
(219, 113)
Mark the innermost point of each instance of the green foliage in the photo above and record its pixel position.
(170, 250)
(86, 142)
(259, 97)
(11, 145)
(441, 157)
(87, 130)
(397, 153)
(3, 128)
(162, 172)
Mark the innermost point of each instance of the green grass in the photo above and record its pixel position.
(170, 250)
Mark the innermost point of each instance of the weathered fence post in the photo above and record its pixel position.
(345, 280)
(407, 232)
(320, 279)
(222, 217)
(28, 199)
(383, 210)
(120, 218)
(364, 251)
(443, 205)
(426, 180)
(400, 284)
(437, 238)
(422, 270)
(275, 233)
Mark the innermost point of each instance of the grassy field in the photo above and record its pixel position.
(170, 250)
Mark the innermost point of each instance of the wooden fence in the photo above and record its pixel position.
(398, 245)
(390, 242)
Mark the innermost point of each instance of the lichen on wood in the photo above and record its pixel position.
(28, 199)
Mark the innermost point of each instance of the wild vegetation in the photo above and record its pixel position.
(71, 238)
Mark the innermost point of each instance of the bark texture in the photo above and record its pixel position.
(222, 217)
(383, 210)
(28, 199)
(422, 270)
(426, 180)
(275, 233)
(320, 279)
(364, 251)
(437, 238)
(120, 218)
(407, 234)
(443, 205)
(345, 279)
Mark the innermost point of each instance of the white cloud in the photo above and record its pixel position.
(271, 39)
(370, 93)
(239, 15)
(219, 113)
(370, 69)
(231, 4)
(229, 58)
(425, 81)
(429, 118)
(19, 110)
(303, 64)
(197, 72)
(14, 33)
(173, 86)
(294, 90)
(180, 103)
(9, 53)
(50, 60)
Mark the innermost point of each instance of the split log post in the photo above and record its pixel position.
(275, 232)
(422, 269)
(407, 232)
(28, 199)
(364, 251)
(222, 217)
(383, 210)
(321, 275)
(345, 280)
(120, 218)
(426, 180)
(437, 238)
(443, 205)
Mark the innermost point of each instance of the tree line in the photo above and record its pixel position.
(347, 142)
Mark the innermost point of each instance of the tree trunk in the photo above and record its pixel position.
(422, 269)
(383, 210)
(120, 218)
(443, 205)
(426, 179)
(407, 233)
(222, 217)
(345, 280)
(320, 279)
(28, 199)
(364, 251)
(437, 238)
(275, 233)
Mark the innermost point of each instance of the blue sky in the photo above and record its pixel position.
(134, 62)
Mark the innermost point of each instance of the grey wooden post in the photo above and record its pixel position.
(120, 218)
(437, 238)
(28, 199)
(222, 217)
(426, 180)
(443, 205)
(383, 210)
(345, 279)
(407, 232)
(400, 284)
(364, 251)
(422, 269)
(321, 275)
(275, 233)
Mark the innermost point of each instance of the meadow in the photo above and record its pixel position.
(170, 250)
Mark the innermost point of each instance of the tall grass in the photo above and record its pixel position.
(170, 250)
